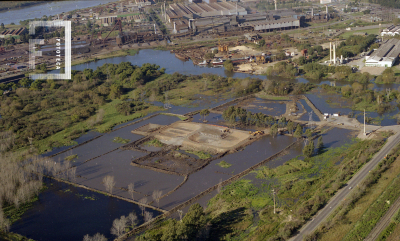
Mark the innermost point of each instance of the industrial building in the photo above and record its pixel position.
(391, 31)
(198, 10)
(385, 56)
(12, 32)
(270, 25)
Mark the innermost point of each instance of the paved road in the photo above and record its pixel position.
(344, 192)
(384, 221)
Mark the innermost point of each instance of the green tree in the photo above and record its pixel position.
(88, 24)
(261, 43)
(228, 65)
(290, 127)
(194, 221)
(274, 130)
(204, 113)
(320, 145)
(43, 68)
(2, 26)
(299, 131)
(308, 150)
(309, 133)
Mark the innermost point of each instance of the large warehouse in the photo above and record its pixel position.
(197, 10)
(386, 55)
(269, 25)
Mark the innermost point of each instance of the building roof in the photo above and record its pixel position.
(388, 51)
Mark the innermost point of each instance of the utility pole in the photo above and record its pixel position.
(273, 192)
(364, 124)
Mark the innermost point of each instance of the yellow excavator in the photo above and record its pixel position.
(256, 133)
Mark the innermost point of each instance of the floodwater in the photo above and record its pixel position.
(105, 143)
(65, 213)
(306, 116)
(272, 108)
(118, 164)
(166, 60)
(52, 8)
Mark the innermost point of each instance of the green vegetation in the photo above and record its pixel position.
(71, 157)
(200, 154)
(387, 3)
(228, 65)
(191, 225)
(309, 149)
(388, 76)
(363, 97)
(9, 236)
(121, 140)
(374, 213)
(154, 142)
(204, 113)
(132, 51)
(348, 34)
(53, 113)
(282, 69)
(224, 164)
(11, 5)
(240, 116)
(390, 228)
(179, 116)
(372, 197)
(13, 213)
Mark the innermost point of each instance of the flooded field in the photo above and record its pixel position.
(102, 156)
(267, 107)
(66, 213)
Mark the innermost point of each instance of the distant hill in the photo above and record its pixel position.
(387, 3)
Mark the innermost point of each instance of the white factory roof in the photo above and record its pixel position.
(388, 52)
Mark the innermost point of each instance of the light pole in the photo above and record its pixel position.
(273, 192)
(364, 124)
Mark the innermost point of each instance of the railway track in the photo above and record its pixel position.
(384, 221)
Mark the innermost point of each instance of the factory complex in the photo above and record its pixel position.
(385, 56)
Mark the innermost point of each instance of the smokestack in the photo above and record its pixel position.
(276, 8)
(326, 11)
(174, 27)
(330, 52)
(334, 54)
(312, 13)
(341, 59)
(155, 31)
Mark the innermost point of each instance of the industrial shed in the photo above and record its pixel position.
(269, 25)
(385, 56)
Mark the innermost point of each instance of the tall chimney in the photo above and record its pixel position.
(155, 30)
(312, 13)
(174, 27)
(276, 8)
(327, 12)
(334, 54)
(330, 52)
